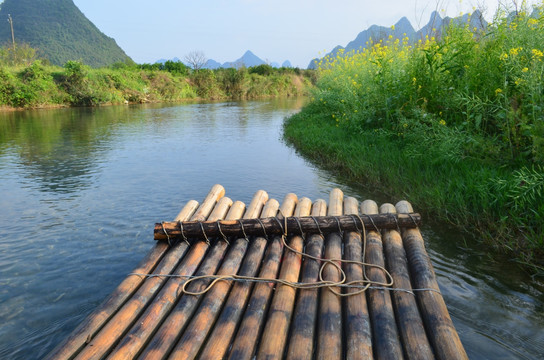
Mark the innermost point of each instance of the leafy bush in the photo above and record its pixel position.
(175, 67)
(263, 69)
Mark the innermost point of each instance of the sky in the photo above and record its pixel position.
(278, 30)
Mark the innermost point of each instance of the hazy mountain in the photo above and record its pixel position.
(286, 63)
(247, 60)
(212, 64)
(404, 28)
(60, 31)
(162, 61)
(275, 64)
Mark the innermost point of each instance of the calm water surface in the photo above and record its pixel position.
(80, 190)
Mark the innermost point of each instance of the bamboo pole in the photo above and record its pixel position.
(301, 345)
(172, 327)
(384, 329)
(440, 329)
(107, 337)
(95, 321)
(195, 334)
(252, 323)
(223, 331)
(272, 343)
(329, 342)
(357, 322)
(271, 226)
(90, 326)
(410, 324)
(132, 343)
(111, 333)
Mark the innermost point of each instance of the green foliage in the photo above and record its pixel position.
(7, 86)
(21, 54)
(233, 81)
(263, 69)
(205, 82)
(455, 123)
(175, 67)
(76, 83)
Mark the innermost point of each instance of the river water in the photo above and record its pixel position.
(80, 190)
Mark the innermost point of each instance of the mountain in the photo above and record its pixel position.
(247, 60)
(162, 61)
(212, 64)
(60, 31)
(404, 28)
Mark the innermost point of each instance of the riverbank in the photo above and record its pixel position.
(43, 86)
(449, 123)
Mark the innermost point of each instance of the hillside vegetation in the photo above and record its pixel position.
(455, 124)
(59, 31)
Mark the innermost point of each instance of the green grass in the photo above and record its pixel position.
(453, 123)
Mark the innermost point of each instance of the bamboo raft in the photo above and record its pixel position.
(285, 286)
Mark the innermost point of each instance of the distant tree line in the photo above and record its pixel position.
(28, 81)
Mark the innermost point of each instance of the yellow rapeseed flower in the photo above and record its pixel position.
(524, 69)
(442, 122)
(515, 51)
(503, 56)
(537, 54)
(498, 91)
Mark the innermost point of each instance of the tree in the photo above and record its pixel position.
(196, 59)
(22, 54)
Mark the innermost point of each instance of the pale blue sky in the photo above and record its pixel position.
(297, 30)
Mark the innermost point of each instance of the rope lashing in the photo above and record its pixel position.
(284, 225)
(361, 285)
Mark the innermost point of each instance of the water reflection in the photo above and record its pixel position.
(59, 148)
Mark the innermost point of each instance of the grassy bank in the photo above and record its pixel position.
(454, 123)
(38, 85)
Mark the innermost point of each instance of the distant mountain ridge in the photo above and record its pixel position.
(247, 60)
(60, 31)
(403, 28)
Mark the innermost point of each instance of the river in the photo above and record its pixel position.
(80, 190)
